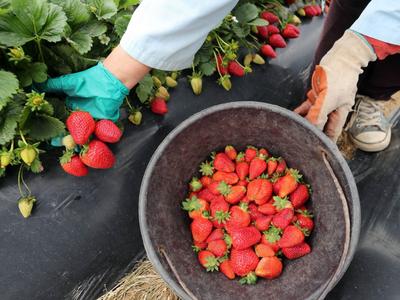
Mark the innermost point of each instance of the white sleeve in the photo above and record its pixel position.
(166, 34)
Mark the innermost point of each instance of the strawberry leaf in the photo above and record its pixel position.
(121, 23)
(246, 12)
(258, 22)
(144, 89)
(207, 68)
(9, 116)
(76, 11)
(43, 127)
(124, 4)
(8, 87)
(103, 9)
(33, 72)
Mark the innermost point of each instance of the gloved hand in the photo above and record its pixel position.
(95, 90)
(334, 84)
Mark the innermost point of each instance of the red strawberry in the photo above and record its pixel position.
(201, 229)
(262, 223)
(243, 238)
(222, 69)
(240, 157)
(317, 10)
(234, 68)
(226, 269)
(283, 218)
(205, 181)
(159, 106)
(291, 236)
(268, 51)
(272, 29)
(281, 203)
(271, 165)
(281, 168)
(80, 125)
(250, 153)
(239, 218)
(263, 250)
(219, 211)
(274, 246)
(305, 221)
(263, 153)
(257, 167)
(269, 16)
(217, 247)
(296, 251)
(254, 213)
(259, 190)
(269, 267)
(288, 183)
(72, 164)
(229, 178)
(267, 209)
(277, 41)
(208, 261)
(213, 187)
(97, 155)
(243, 261)
(217, 234)
(262, 31)
(107, 131)
(242, 169)
(299, 196)
(230, 151)
(223, 163)
(310, 11)
(236, 193)
(199, 246)
(195, 207)
(271, 237)
(206, 195)
(243, 183)
(290, 32)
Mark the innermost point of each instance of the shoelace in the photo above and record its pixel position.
(369, 114)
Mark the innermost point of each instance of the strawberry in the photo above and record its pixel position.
(242, 169)
(271, 165)
(283, 218)
(290, 31)
(259, 190)
(206, 195)
(195, 185)
(317, 10)
(296, 251)
(219, 212)
(240, 157)
(236, 194)
(277, 41)
(268, 51)
(72, 164)
(221, 67)
(250, 153)
(159, 106)
(262, 31)
(223, 163)
(243, 261)
(97, 155)
(257, 167)
(205, 181)
(230, 151)
(239, 217)
(254, 213)
(304, 220)
(217, 247)
(229, 178)
(272, 29)
(269, 16)
(243, 238)
(263, 250)
(206, 168)
(281, 203)
(274, 246)
(234, 68)
(271, 237)
(262, 223)
(107, 131)
(288, 183)
(243, 183)
(80, 125)
(267, 209)
(281, 168)
(226, 268)
(199, 246)
(291, 236)
(310, 11)
(217, 234)
(201, 229)
(208, 260)
(195, 206)
(263, 153)
(213, 187)
(299, 196)
(269, 267)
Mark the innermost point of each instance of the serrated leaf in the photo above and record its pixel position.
(246, 12)
(241, 30)
(258, 22)
(81, 42)
(121, 23)
(124, 4)
(159, 74)
(33, 72)
(76, 11)
(207, 68)
(43, 127)
(8, 121)
(144, 89)
(8, 87)
(103, 9)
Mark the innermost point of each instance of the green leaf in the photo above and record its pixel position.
(124, 4)
(43, 127)
(103, 9)
(144, 89)
(207, 68)
(4, 6)
(36, 166)
(241, 30)
(33, 72)
(258, 22)
(76, 11)
(81, 42)
(60, 110)
(121, 23)
(8, 87)
(246, 12)
(8, 121)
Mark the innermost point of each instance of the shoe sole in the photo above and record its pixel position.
(373, 147)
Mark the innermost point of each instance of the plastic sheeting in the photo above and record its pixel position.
(84, 233)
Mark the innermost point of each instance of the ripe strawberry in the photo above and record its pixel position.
(226, 268)
(217, 247)
(267, 209)
(271, 165)
(159, 106)
(259, 190)
(201, 229)
(243, 238)
(281, 203)
(291, 236)
(195, 185)
(271, 237)
(269, 16)
(230, 151)
(262, 223)
(199, 246)
(242, 170)
(234, 68)
(268, 51)
(290, 32)
(97, 155)
(269, 267)
(296, 251)
(288, 183)
(277, 41)
(208, 261)
(80, 125)
(219, 212)
(217, 234)
(107, 131)
(262, 31)
(299, 196)
(310, 11)
(283, 218)
(213, 188)
(243, 261)
(243, 183)
(239, 217)
(263, 250)
(72, 164)
(250, 153)
(272, 29)
(229, 178)
(274, 246)
(195, 207)
(281, 168)
(257, 167)
(240, 157)
(206, 195)
(236, 194)
(205, 181)
(317, 10)
(263, 153)
(223, 163)
(254, 213)
(221, 67)
(304, 220)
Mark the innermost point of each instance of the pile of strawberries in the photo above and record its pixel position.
(248, 211)
(83, 151)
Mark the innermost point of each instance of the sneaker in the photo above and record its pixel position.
(368, 128)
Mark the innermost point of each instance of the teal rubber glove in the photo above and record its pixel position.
(94, 90)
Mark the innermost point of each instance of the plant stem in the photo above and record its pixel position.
(40, 50)
(19, 180)
(129, 104)
(22, 137)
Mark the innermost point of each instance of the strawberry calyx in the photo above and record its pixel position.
(222, 216)
(66, 157)
(240, 157)
(295, 174)
(195, 184)
(224, 188)
(250, 278)
(191, 204)
(228, 240)
(305, 213)
(244, 206)
(305, 231)
(264, 176)
(280, 203)
(212, 264)
(206, 169)
(196, 249)
(273, 234)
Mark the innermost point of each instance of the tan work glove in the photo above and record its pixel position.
(334, 84)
